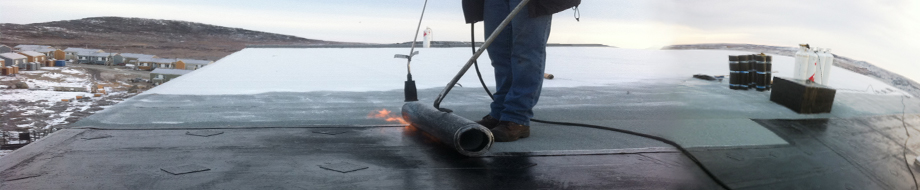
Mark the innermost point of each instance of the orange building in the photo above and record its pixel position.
(59, 54)
(32, 56)
(180, 65)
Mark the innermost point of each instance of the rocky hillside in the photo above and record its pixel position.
(857, 66)
(165, 38)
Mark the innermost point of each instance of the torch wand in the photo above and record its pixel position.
(410, 89)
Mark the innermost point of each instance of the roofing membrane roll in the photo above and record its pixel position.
(752, 72)
(466, 137)
(760, 72)
(734, 79)
(744, 70)
(768, 64)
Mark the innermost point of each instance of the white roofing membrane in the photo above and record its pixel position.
(261, 70)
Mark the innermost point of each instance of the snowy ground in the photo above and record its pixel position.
(40, 110)
(261, 70)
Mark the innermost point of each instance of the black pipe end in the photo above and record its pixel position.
(474, 140)
(410, 91)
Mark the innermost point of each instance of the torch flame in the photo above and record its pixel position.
(387, 115)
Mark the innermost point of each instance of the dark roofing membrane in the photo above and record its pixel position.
(325, 140)
(308, 139)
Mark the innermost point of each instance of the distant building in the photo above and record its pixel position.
(71, 53)
(49, 52)
(161, 75)
(117, 59)
(5, 49)
(153, 63)
(13, 59)
(32, 47)
(191, 64)
(59, 55)
(97, 58)
(34, 57)
(132, 58)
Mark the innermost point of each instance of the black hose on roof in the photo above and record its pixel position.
(653, 137)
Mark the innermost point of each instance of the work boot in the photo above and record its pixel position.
(489, 122)
(510, 131)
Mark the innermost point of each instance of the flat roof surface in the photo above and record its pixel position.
(13, 55)
(375, 69)
(170, 71)
(95, 54)
(79, 50)
(137, 55)
(32, 53)
(155, 60)
(196, 61)
(32, 47)
(46, 49)
(310, 124)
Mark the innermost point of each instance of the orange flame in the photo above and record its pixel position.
(388, 116)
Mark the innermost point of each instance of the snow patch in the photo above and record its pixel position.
(37, 95)
(52, 28)
(52, 75)
(71, 71)
(59, 120)
(30, 112)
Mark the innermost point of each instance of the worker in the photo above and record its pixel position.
(518, 56)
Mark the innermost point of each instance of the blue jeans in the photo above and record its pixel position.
(519, 57)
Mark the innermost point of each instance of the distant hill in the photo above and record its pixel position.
(165, 38)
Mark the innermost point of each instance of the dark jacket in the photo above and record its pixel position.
(473, 9)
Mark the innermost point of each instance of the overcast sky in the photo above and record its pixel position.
(883, 32)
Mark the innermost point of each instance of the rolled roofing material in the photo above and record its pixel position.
(467, 137)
